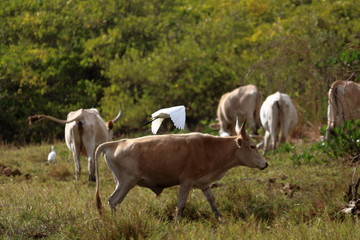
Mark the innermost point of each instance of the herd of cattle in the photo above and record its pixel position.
(195, 160)
(277, 114)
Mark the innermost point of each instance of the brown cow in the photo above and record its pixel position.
(243, 102)
(84, 131)
(343, 104)
(193, 160)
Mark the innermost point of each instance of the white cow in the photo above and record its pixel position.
(343, 104)
(84, 131)
(278, 116)
(242, 102)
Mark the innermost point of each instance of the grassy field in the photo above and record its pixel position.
(299, 196)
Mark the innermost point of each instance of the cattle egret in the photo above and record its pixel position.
(177, 114)
(52, 155)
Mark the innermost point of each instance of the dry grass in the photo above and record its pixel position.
(286, 201)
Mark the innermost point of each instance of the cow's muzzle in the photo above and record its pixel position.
(266, 165)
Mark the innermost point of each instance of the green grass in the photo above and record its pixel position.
(298, 197)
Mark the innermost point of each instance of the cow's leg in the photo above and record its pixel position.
(88, 140)
(183, 195)
(328, 133)
(122, 188)
(224, 129)
(273, 133)
(267, 139)
(251, 120)
(74, 142)
(76, 156)
(91, 162)
(274, 120)
(210, 197)
(275, 139)
(285, 129)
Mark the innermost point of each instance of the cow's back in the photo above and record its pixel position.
(165, 160)
(242, 102)
(89, 128)
(289, 116)
(278, 110)
(268, 108)
(222, 106)
(243, 99)
(288, 108)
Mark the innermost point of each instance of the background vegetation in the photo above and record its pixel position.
(61, 55)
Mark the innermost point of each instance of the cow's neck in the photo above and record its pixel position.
(229, 148)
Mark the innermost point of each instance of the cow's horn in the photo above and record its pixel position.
(242, 130)
(118, 116)
(237, 128)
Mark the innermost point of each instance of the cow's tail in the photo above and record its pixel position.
(36, 118)
(333, 110)
(98, 151)
(284, 119)
(257, 110)
(278, 122)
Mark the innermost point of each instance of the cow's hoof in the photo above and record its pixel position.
(92, 178)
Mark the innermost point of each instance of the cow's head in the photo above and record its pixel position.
(248, 154)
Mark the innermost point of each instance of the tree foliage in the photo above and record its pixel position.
(58, 56)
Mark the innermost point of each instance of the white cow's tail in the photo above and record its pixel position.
(98, 151)
(284, 120)
(257, 110)
(35, 118)
(278, 122)
(333, 110)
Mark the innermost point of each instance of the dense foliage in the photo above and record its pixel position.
(61, 55)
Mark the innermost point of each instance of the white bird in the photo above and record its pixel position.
(176, 114)
(52, 155)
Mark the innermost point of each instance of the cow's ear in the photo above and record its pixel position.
(110, 125)
(239, 142)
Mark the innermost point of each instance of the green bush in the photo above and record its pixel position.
(346, 140)
(58, 56)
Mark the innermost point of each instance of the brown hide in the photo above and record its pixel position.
(189, 160)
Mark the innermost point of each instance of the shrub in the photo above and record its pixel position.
(346, 140)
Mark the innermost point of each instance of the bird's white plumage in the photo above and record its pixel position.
(177, 114)
(155, 125)
(52, 155)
